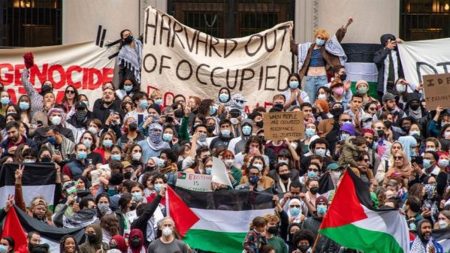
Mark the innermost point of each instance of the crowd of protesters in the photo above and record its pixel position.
(396, 146)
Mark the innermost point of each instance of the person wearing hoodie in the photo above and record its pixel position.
(237, 144)
(86, 216)
(78, 121)
(424, 242)
(154, 143)
(136, 241)
(388, 63)
(93, 243)
(225, 136)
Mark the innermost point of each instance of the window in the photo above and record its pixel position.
(424, 19)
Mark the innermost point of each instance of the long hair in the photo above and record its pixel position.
(63, 241)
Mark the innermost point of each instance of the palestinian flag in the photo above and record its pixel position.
(442, 236)
(38, 180)
(17, 224)
(360, 66)
(216, 221)
(352, 223)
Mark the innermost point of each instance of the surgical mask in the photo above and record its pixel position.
(310, 132)
(443, 163)
(413, 132)
(228, 162)
(167, 231)
(107, 143)
(208, 171)
(258, 166)
(103, 208)
(5, 100)
(3, 248)
(339, 91)
(137, 196)
(322, 96)
(136, 156)
(442, 224)
(294, 211)
(56, 120)
(400, 88)
(430, 150)
(344, 136)
(312, 174)
(246, 130)
(224, 97)
(24, 106)
(253, 180)
(225, 133)
(320, 152)
(362, 90)
(51, 139)
(283, 161)
(321, 209)
(116, 157)
(167, 137)
(158, 101)
(320, 42)
(212, 110)
(87, 143)
(143, 104)
(29, 160)
(81, 155)
(202, 137)
(427, 163)
(93, 130)
(293, 84)
(128, 88)
(157, 187)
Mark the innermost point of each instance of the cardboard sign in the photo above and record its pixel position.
(437, 91)
(281, 125)
(194, 182)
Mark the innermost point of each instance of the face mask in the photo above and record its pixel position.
(225, 133)
(336, 112)
(380, 133)
(253, 180)
(56, 120)
(24, 106)
(143, 104)
(446, 135)
(167, 231)
(258, 166)
(208, 171)
(127, 175)
(442, 224)
(320, 42)
(107, 143)
(427, 163)
(157, 187)
(136, 196)
(312, 174)
(202, 137)
(158, 101)
(116, 157)
(87, 143)
(3, 248)
(229, 162)
(80, 115)
(414, 133)
(135, 243)
(303, 248)
(338, 91)
(223, 98)
(430, 150)
(136, 156)
(294, 211)
(400, 88)
(344, 136)
(128, 88)
(91, 238)
(51, 140)
(128, 39)
(343, 77)
(246, 130)
(103, 208)
(210, 129)
(443, 163)
(29, 160)
(362, 90)
(310, 132)
(414, 106)
(321, 209)
(322, 96)
(93, 130)
(167, 137)
(46, 159)
(314, 190)
(320, 152)
(285, 176)
(286, 161)
(293, 84)
(5, 100)
(260, 124)
(272, 230)
(81, 155)
(212, 110)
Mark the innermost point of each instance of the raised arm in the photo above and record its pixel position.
(340, 33)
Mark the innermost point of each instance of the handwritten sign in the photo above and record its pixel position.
(437, 90)
(194, 182)
(281, 125)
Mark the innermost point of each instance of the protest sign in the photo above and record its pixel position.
(219, 173)
(194, 182)
(437, 91)
(85, 66)
(424, 57)
(178, 59)
(281, 125)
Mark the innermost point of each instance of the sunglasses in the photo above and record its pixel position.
(295, 206)
(70, 91)
(346, 120)
(398, 158)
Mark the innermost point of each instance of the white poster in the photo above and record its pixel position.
(425, 57)
(180, 60)
(85, 66)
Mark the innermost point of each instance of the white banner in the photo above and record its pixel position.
(180, 60)
(194, 182)
(424, 57)
(85, 66)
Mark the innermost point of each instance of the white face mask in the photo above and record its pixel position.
(93, 130)
(322, 96)
(229, 162)
(258, 165)
(167, 231)
(136, 156)
(442, 224)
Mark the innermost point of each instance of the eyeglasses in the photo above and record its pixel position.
(70, 91)
(398, 157)
(291, 206)
(313, 170)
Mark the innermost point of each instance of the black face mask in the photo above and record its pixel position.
(132, 127)
(178, 113)
(80, 115)
(128, 39)
(314, 190)
(285, 176)
(278, 107)
(303, 248)
(387, 124)
(380, 133)
(343, 77)
(133, 206)
(336, 112)
(127, 175)
(210, 129)
(273, 230)
(46, 159)
(135, 242)
(91, 238)
(260, 124)
(406, 128)
(414, 106)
